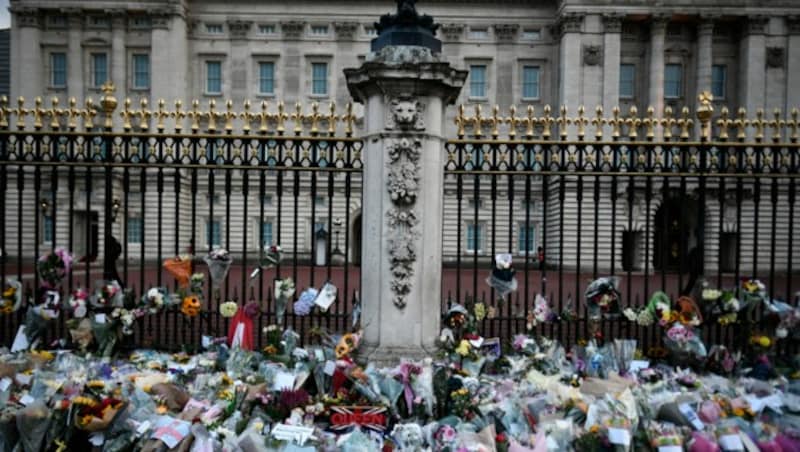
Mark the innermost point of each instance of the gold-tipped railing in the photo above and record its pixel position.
(264, 118)
(630, 126)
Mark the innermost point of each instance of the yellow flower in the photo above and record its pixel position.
(738, 412)
(81, 400)
(96, 384)
(480, 311)
(463, 348)
(9, 293)
(161, 409)
(226, 380)
(270, 350)
(595, 428)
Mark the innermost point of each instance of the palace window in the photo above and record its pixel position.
(213, 77)
(530, 82)
(627, 81)
(673, 81)
(58, 69)
(477, 80)
(141, 71)
(319, 79)
(266, 78)
(719, 78)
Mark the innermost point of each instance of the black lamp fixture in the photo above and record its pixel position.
(337, 226)
(44, 205)
(115, 206)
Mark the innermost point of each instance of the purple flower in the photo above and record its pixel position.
(305, 303)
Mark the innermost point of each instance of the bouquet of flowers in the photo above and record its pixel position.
(219, 262)
(682, 340)
(602, 297)
(502, 278)
(305, 303)
(107, 295)
(53, 267)
(77, 303)
(12, 297)
(180, 267)
(37, 321)
(284, 289)
(272, 257)
(155, 300)
(228, 309)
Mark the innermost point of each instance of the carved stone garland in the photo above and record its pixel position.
(403, 186)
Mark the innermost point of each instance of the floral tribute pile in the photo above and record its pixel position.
(476, 394)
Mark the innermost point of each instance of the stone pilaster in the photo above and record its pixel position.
(752, 60)
(658, 30)
(705, 33)
(28, 77)
(76, 75)
(405, 90)
(612, 42)
(169, 68)
(570, 72)
(119, 55)
(793, 62)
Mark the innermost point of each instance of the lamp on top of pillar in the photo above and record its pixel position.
(115, 206)
(406, 28)
(44, 205)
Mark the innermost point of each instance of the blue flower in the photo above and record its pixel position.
(305, 303)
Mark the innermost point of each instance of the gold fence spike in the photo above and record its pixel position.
(21, 112)
(633, 122)
(280, 119)
(297, 117)
(195, 114)
(530, 122)
(547, 122)
(38, 113)
(793, 124)
(144, 115)
(331, 118)
(4, 112)
(759, 124)
(212, 115)
(126, 115)
(667, 123)
(495, 121)
(74, 113)
(704, 113)
(160, 114)
(314, 117)
(776, 124)
(581, 122)
(460, 121)
(348, 118)
(563, 121)
(477, 122)
(616, 123)
(263, 118)
(88, 114)
(247, 117)
(512, 122)
(55, 113)
(685, 123)
(650, 122)
(598, 122)
(741, 124)
(723, 123)
(229, 116)
(178, 114)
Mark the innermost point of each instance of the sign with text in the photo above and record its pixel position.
(345, 417)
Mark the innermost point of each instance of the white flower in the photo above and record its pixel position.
(711, 294)
(629, 314)
(80, 311)
(645, 318)
(781, 333)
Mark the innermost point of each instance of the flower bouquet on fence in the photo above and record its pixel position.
(54, 267)
(180, 267)
(602, 301)
(272, 257)
(38, 321)
(219, 263)
(502, 278)
(284, 290)
(12, 297)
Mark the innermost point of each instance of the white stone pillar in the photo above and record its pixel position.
(570, 69)
(75, 63)
(612, 27)
(240, 60)
(169, 56)
(27, 77)
(793, 64)
(658, 30)
(405, 90)
(752, 57)
(705, 33)
(119, 58)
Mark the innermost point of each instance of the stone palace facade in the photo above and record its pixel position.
(518, 52)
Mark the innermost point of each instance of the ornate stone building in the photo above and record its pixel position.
(518, 52)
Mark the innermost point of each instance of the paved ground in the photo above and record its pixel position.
(561, 289)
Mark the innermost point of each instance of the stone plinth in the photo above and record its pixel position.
(405, 90)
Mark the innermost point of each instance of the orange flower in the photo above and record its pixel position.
(191, 306)
(270, 350)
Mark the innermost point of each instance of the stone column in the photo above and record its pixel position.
(240, 64)
(75, 64)
(612, 43)
(705, 34)
(655, 99)
(119, 56)
(752, 57)
(793, 63)
(28, 79)
(570, 69)
(405, 90)
(169, 68)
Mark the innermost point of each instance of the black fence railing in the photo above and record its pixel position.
(661, 215)
(122, 203)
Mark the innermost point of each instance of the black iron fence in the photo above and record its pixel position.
(629, 196)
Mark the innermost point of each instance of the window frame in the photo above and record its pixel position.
(724, 81)
(481, 228)
(325, 30)
(134, 57)
(259, 65)
(53, 82)
(209, 232)
(531, 226)
(260, 231)
(680, 83)
(44, 231)
(313, 79)
(128, 230)
(478, 33)
(207, 79)
(267, 29)
(632, 95)
(214, 28)
(538, 83)
(485, 83)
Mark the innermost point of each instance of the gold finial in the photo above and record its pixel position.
(581, 122)
(530, 122)
(331, 118)
(54, 113)
(179, 114)
(88, 114)
(793, 124)
(126, 115)
(547, 122)
(21, 112)
(229, 116)
(247, 117)
(195, 114)
(108, 103)
(598, 122)
(144, 115)
(298, 117)
(314, 117)
(723, 123)
(512, 122)
(776, 124)
(460, 121)
(263, 118)
(616, 124)
(650, 123)
(38, 113)
(685, 123)
(633, 122)
(4, 112)
(212, 115)
(563, 121)
(759, 124)
(160, 114)
(477, 121)
(495, 121)
(668, 123)
(74, 113)
(741, 124)
(348, 119)
(280, 118)
(704, 113)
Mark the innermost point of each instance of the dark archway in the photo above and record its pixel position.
(355, 241)
(675, 233)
